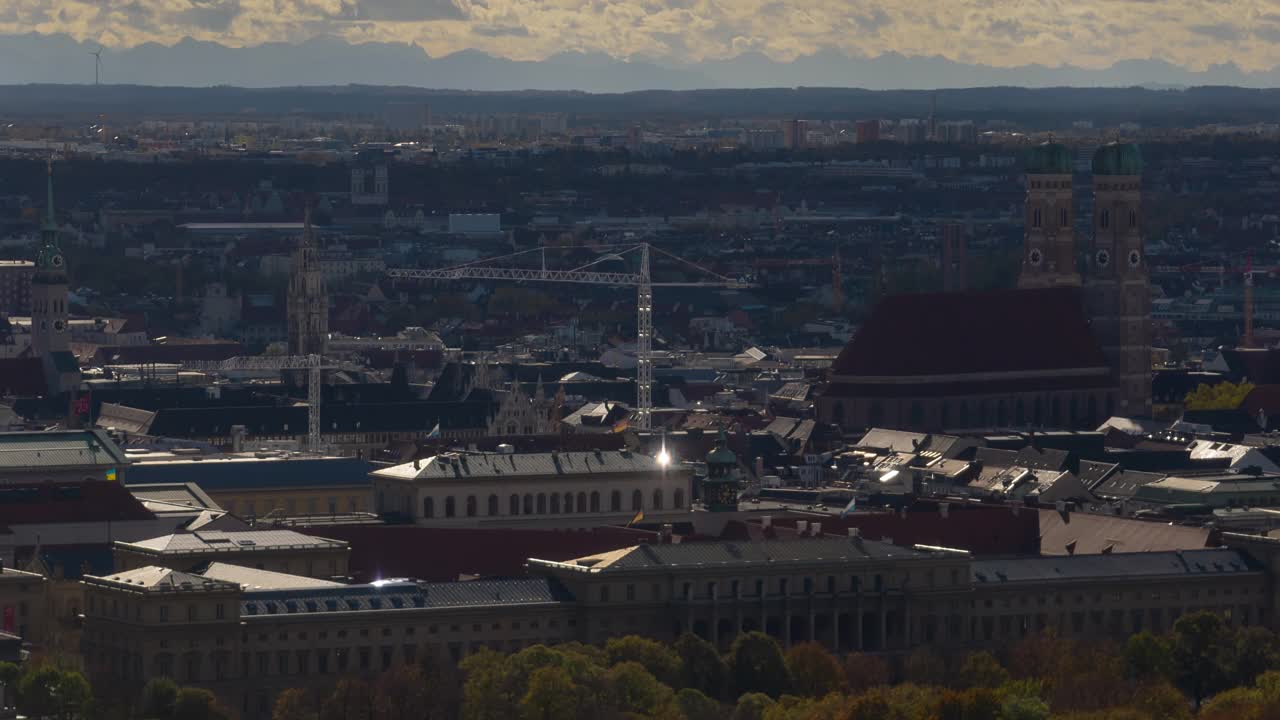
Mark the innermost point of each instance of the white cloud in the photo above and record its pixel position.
(1088, 33)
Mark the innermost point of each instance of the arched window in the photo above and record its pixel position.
(595, 501)
(637, 501)
(1064, 217)
(1104, 219)
(513, 505)
(615, 501)
(528, 504)
(449, 509)
(1133, 218)
(471, 506)
(568, 502)
(582, 502)
(1035, 218)
(428, 507)
(555, 503)
(679, 500)
(657, 499)
(542, 503)
(493, 505)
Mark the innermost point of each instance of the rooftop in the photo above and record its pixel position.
(246, 470)
(1183, 563)
(721, 554)
(58, 448)
(222, 541)
(394, 595)
(254, 579)
(461, 466)
(153, 579)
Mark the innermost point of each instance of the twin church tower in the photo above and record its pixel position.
(1115, 285)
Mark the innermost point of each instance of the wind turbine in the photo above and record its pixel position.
(97, 64)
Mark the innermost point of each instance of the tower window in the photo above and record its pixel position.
(1065, 219)
(1035, 218)
(1133, 218)
(1104, 219)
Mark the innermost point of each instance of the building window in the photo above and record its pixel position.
(542, 503)
(631, 592)
(493, 505)
(528, 504)
(1063, 219)
(657, 499)
(595, 502)
(568, 503)
(428, 508)
(604, 593)
(1133, 218)
(164, 613)
(1104, 219)
(582, 502)
(615, 501)
(193, 612)
(1035, 218)
(637, 501)
(513, 505)
(678, 500)
(449, 509)
(471, 506)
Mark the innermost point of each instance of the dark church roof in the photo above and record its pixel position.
(973, 332)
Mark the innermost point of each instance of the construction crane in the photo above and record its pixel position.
(313, 364)
(490, 269)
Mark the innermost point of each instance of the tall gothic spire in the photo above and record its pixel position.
(49, 221)
(49, 259)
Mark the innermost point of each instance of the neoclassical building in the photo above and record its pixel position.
(1058, 351)
(247, 634)
(555, 489)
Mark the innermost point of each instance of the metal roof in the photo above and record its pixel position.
(232, 472)
(445, 467)
(160, 579)
(223, 541)
(722, 554)
(53, 449)
(1184, 563)
(254, 579)
(404, 595)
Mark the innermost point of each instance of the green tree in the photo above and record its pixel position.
(1255, 651)
(1222, 396)
(701, 667)
(972, 704)
(552, 695)
(1024, 708)
(158, 697)
(814, 672)
(1161, 701)
(45, 691)
(350, 700)
(294, 704)
(1197, 653)
(660, 660)
(863, 672)
(402, 693)
(756, 665)
(1147, 657)
(697, 706)
(635, 690)
(197, 704)
(1235, 704)
(982, 670)
(752, 706)
(486, 692)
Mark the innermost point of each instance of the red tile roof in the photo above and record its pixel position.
(973, 332)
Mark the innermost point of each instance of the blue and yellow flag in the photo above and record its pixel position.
(111, 475)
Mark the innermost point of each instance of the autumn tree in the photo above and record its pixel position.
(697, 705)
(863, 672)
(401, 694)
(551, 695)
(1221, 396)
(660, 660)
(197, 704)
(158, 697)
(47, 691)
(814, 672)
(294, 704)
(752, 706)
(1198, 654)
(1147, 657)
(634, 689)
(982, 670)
(351, 699)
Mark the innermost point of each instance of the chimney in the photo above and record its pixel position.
(416, 463)
(667, 531)
(760, 467)
(816, 529)
(944, 509)
(237, 438)
(802, 527)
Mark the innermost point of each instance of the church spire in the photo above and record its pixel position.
(49, 221)
(49, 259)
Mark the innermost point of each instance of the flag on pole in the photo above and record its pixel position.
(435, 433)
(639, 516)
(111, 475)
(849, 508)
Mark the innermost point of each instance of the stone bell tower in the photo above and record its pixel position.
(1049, 248)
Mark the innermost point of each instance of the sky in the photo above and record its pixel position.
(1194, 34)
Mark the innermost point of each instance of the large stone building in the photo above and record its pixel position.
(507, 489)
(15, 286)
(275, 550)
(308, 298)
(247, 635)
(1053, 352)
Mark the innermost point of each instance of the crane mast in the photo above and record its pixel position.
(313, 364)
(642, 280)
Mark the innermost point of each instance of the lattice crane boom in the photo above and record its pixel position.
(313, 364)
(642, 281)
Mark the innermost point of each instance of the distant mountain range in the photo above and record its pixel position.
(329, 61)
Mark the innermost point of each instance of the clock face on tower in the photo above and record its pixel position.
(1035, 257)
(59, 326)
(1135, 258)
(1103, 258)
(56, 261)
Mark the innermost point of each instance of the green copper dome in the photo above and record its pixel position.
(1049, 159)
(1117, 159)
